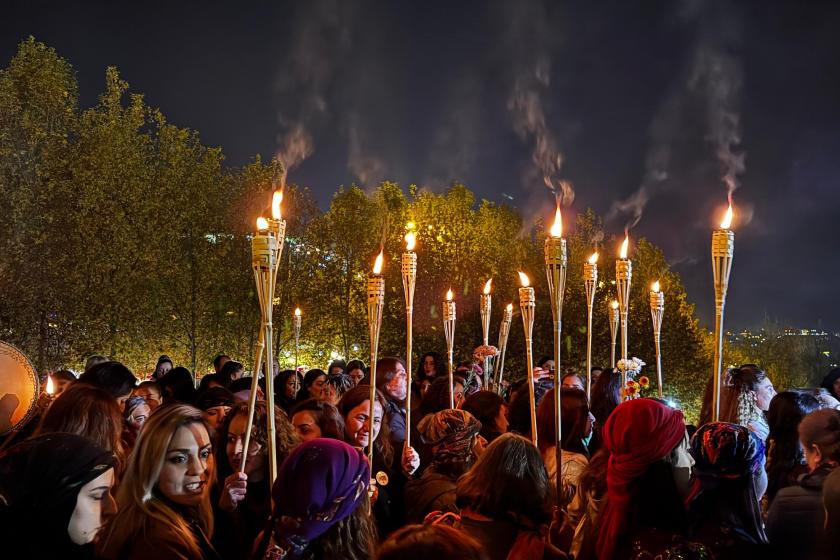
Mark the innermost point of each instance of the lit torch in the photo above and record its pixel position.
(590, 280)
(50, 389)
(485, 304)
(723, 252)
(623, 275)
(657, 308)
(527, 304)
(449, 333)
(504, 331)
(375, 301)
(409, 277)
(613, 329)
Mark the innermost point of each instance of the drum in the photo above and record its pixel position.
(19, 389)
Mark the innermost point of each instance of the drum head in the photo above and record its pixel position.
(18, 388)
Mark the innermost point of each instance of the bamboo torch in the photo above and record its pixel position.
(723, 252)
(527, 304)
(449, 333)
(296, 321)
(623, 276)
(409, 277)
(657, 308)
(504, 331)
(375, 301)
(485, 304)
(613, 329)
(590, 280)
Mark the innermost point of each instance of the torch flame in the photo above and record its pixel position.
(410, 241)
(50, 386)
(524, 279)
(557, 226)
(624, 245)
(377, 265)
(614, 304)
(262, 224)
(449, 294)
(594, 258)
(727, 218)
(510, 307)
(276, 201)
(487, 286)
(655, 287)
(297, 312)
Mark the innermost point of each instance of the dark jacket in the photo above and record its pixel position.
(796, 518)
(161, 542)
(395, 416)
(431, 492)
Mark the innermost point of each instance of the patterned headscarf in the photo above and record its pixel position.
(131, 404)
(451, 433)
(724, 450)
(320, 483)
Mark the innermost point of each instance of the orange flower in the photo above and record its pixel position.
(644, 382)
(631, 390)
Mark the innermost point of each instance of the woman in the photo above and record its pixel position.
(243, 502)
(335, 387)
(313, 385)
(785, 459)
(135, 415)
(573, 381)
(392, 382)
(356, 371)
(215, 404)
(431, 366)
(452, 435)
(437, 397)
(644, 511)
(56, 494)
(314, 418)
(336, 367)
(320, 505)
(724, 504)
(746, 398)
(230, 372)
(504, 501)
(488, 408)
(831, 383)
(390, 475)
(178, 386)
(519, 410)
(796, 517)
(164, 366)
(62, 379)
(576, 424)
(164, 497)
(286, 387)
(150, 391)
(605, 397)
(422, 542)
(91, 412)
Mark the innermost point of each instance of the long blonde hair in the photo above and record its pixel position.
(140, 504)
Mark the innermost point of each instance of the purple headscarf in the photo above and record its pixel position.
(320, 483)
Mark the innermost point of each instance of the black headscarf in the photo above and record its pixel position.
(40, 479)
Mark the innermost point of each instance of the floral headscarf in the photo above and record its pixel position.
(451, 433)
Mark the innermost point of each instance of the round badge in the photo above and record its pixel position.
(382, 478)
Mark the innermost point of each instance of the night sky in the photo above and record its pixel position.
(648, 107)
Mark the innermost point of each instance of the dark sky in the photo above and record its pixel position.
(650, 103)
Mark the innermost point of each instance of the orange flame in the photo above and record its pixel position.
(614, 304)
(557, 226)
(297, 312)
(262, 224)
(727, 218)
(449, 295)
(594, 258)
(623, 252)
(50, 386)
(276, 201)
(524, 279)
(377, 265)
(410, 241)
(487, 286)
(655, 287)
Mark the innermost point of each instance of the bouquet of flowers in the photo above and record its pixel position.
(635, 389)
(631, 368)
(483, 351)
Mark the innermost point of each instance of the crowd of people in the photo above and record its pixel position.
(113, 468)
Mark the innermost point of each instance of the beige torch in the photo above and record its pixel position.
(449, 333)
(527, 304)
(504, 331)
(613, 329)
(723, 252)
(657, 308)
(590, 281)
(375, 303)
(623, 276)
(485, 304)
(409, 277)
(296, 322)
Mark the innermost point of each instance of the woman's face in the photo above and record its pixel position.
(764, 393)
(356, 375)
(429, 366)
(237, 374)
(397, 387)
(330, 394)
(292, 386)
(236, 442)
(502, 420)
(215, 415)
(164, 368)
(150, 394)
(357, 425)
(187, 467)
(139, 416)
(317, 387)
(573, 381)
(94, 506)
(306, 426)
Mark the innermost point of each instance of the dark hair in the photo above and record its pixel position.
(821, 428)
(508, 481)
(422, 542)
(593, 479)
(64, 375)
(566, 376)
(382, 444)
(311, 377)
(113, 377)
(178, 385)
(241, 384)
(341, 383)
(437, 396)
(386, 370)
(574, 415)
(328, 418)
(218, 359)
(440, 367)
(228, 371)
(519, 409)
(207, 379)
(280, 381)
(785, 460)
(606, 395)
(95, 359)
(214, 396)
(485, 406)
(829, 380)
(337, 363)
(355, 364)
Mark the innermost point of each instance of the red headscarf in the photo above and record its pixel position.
(637, 434)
